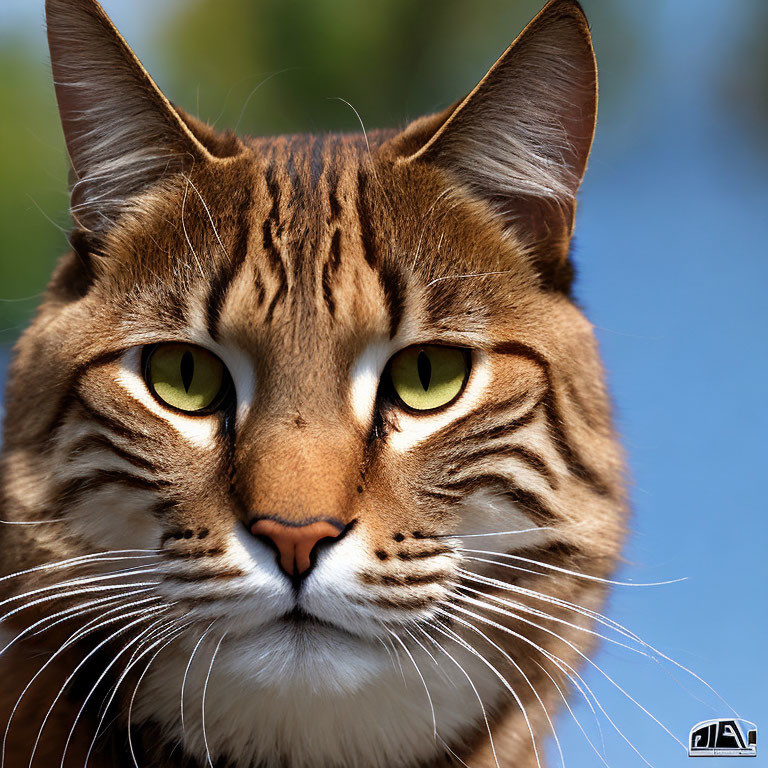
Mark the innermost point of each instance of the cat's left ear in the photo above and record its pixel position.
(122, 133)
(522, 137)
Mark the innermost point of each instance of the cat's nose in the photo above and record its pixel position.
(296, 542)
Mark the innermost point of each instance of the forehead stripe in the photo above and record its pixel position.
(269, 229)
(330, 268)
(333, 193)
(390, 279)
(228, 270)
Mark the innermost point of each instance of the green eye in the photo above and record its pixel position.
(429, 377)
(184, 376)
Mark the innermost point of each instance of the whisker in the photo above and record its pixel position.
(427, 217)
(189, 665)
(208, 213)
(205, 691)
(572, 714)
(501, 679)
(73, 611)
(186, 234)
(389, 652)
(589, 613)
(162, 624)
(506, 656)
(83, 559)
(440, 647)
(496, 609)
(423, 681)
(573, 681)
(79, 580)
(156, 628)
(72, 593)
(175, 634)
(542, 614)
(431, 656)
(559, 663)
(78, 634)
(470, 274)
(394, 654)
(253, 92)
(362, 127)
(76, 610)
(142, 615)
(600, 619)
(566, 570)
(496, 533)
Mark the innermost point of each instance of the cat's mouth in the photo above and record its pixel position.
(299, 618)
(300, 621)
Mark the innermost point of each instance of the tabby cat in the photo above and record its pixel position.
(308, 458)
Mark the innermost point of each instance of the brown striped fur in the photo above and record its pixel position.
(295, 254)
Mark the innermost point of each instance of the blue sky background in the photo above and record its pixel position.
(672, 251)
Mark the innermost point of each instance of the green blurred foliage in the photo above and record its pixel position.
(33, 173)
(281, 66)
(260, 67)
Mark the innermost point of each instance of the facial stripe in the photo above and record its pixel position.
(466, 426)
(229, 269)
(97, 479)
(528, 501)
(526, 456)
(424, 553)
(555, 419)
(363, 216)
(390, 280)
(502, 430)
(100, 442)
(73, 490)
(330, 267)
(106, 421)
(410, 580)
(258, 284)
(69, 392)
(334, 206)
(271, 229)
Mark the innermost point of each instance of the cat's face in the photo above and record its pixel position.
(327, 389)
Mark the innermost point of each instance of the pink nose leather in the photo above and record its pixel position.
(295, 542)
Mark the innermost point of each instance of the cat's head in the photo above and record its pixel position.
(330, 392)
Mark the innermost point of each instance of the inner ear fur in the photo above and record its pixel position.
(122, 134)
(521, 139)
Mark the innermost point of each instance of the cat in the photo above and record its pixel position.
(308, 456)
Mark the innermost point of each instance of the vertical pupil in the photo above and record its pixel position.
(424, 367)
(187, 370)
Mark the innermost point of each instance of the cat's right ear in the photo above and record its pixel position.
(122, 134)
(521, 139)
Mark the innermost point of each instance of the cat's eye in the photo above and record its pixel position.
(185, 377)
(428, 377)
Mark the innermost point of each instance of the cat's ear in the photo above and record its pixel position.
(521, 139)
(122, 134)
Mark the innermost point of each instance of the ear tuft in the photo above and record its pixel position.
(122, 134)
(521, 139)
